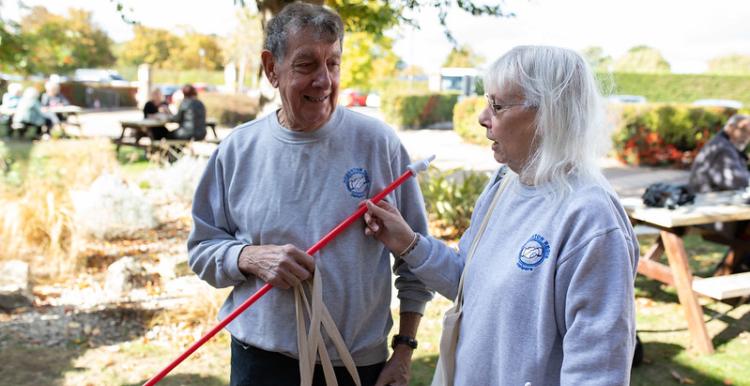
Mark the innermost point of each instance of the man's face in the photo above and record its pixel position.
(743, 134)
(307, 78)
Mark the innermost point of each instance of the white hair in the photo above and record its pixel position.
(570, 133)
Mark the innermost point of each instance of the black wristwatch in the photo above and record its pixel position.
(403, 339)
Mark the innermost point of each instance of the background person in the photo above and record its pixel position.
(190, 116)
(722, 162)
(29, 112)
(548, 295)
(279, 183)
(156, 107)
(12, 96)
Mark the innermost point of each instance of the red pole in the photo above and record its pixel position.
(262, 291)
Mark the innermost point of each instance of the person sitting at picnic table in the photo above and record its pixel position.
(721, 165)
(191, 117)
(12, 96)
(548, 295)
(29, 112)
(52, 96)
(156, 107)
(722, 162)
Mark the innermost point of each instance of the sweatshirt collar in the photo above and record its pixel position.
(285, 135)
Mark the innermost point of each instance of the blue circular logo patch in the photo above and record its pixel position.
(357, 182)
(533, 253)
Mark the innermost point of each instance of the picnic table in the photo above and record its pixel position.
(133, 130)
(66, 112)
(673, 225)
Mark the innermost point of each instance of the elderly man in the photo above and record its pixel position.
(279, 183)
(722, 163)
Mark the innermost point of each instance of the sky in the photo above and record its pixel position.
(687, 32)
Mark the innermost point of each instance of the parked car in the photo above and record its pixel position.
(167, 90)
(730, 103)
(351, 97)
(626, 99)
(98, 75)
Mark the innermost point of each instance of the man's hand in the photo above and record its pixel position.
(282, 266)
(397, 370)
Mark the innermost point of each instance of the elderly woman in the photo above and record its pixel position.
(548, 294)
(191, 117)
(29, 113)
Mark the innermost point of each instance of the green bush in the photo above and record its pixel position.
(229, 109)
(685, 88)
(418, 111)
(465, 120)
(665, 134)
(449, 198)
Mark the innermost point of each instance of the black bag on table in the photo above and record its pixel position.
(660, 195)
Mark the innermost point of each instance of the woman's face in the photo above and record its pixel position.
(510, 126)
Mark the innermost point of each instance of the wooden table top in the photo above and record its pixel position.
(705, 211)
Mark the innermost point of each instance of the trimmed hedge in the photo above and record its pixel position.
(418, 111)
(666, 134)
(465, 120)
(229, 109)
(683, 88)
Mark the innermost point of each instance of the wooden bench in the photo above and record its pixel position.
(723, 287)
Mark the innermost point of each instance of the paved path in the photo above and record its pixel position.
(450, 150)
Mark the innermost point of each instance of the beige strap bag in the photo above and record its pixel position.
(445, 370)
(311, 343)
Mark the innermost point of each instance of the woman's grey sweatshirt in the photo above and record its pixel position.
(548, 296)
(269, 185)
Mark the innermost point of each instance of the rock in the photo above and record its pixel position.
(15, 290)
(122, 276)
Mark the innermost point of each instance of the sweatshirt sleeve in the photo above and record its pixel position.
(213, 250)
(412, 292)
(594, 303)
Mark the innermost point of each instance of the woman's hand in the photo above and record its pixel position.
(384, 222)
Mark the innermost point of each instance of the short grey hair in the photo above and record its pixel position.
(736, 119)
(324, 23)
(571, 134)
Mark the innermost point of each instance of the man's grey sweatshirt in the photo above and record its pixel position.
(269, 185)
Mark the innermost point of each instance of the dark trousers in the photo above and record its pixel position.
(252, 366)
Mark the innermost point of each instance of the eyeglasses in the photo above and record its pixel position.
(497, 108)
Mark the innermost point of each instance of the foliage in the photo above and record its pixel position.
(463, 56)
(664, 134)
(730, 65)
(449, 198)
(57, 44)
(109, 208)
(418, 111)
(197, 51)
(230, 110)
(13, 52)
(367, 60)
(465, 120)
(37, 223)
(376, 17)
(149, 45)
(597, 59)
(642, 59)
(681, 88)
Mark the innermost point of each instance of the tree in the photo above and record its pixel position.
(367, 59)
(463, 56)
(54, 43)
(150, 45)
(197, 51)
(642, 59)
(597, 59)
(376, 17)
(13, 52)
(243, 44)
(734, 64)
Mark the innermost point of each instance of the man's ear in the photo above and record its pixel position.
(269, 67)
